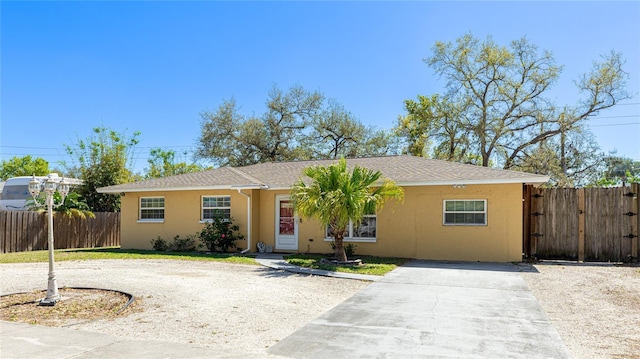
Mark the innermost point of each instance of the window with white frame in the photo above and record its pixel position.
(465, 212)
(213, 206)
(366, 231)
(152, 208)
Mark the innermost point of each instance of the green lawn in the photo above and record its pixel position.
(117, 253)
(371, 265)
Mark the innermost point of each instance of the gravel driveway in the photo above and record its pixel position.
(229, 307)
(245, 309)
(594, 306)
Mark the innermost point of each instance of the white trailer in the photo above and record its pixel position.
(15, 192)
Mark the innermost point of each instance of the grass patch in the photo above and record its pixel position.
(371, 265)
(83, 254)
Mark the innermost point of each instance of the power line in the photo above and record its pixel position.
(616, 124)
(34, 148)
(60, 148)
(621, 116)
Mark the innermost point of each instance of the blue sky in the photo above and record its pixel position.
(154, 66)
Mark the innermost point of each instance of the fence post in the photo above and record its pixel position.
(635, 225)
(526, 221)
(535, 221)
(581, 224)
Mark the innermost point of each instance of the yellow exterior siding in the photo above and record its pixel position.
(267, 217)
(181, 216)
(421, 222)
(413, 228)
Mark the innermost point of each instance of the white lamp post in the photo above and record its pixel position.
(49, 187)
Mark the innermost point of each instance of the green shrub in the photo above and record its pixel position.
(160, 245)
(184, 244)
(179, 244)
(220, 234)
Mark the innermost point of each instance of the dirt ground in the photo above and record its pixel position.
(230, 307)
(594, 307)
(79, 305)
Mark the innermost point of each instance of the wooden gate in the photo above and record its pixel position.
(592, 224)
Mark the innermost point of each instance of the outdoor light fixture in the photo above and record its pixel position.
(50, 186)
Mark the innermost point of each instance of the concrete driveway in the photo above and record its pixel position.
(433, 310)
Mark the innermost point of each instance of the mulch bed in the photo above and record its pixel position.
(76, 306)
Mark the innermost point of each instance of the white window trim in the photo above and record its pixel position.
(349, 238)
(202, 208)
(444, 212)
(150, 220)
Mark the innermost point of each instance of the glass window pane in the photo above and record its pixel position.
(458, 218)
(469, 218)
(210, 213)
(286, 226)
(218, 202)
(213, 206)
(16, 192)
(465, 212)
(449, 206)
(366, 229)
(286, 209)
(469, 206)
(329, 232)
(152, 202)
(448, 218)
(152, 214)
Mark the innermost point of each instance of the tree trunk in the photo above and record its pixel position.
(341, 255)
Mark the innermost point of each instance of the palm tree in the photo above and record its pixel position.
(74, 207)
(336, 197)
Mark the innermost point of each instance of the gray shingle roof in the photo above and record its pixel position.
(404, 170)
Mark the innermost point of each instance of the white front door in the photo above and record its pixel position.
(286, 224)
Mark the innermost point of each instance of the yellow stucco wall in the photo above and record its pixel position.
(182, 216)
(415, 229)
(412, 229)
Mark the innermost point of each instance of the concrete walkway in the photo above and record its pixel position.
(276, 261)
(433, 310)
(19, 340)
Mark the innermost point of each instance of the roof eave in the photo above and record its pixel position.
(108, 190)
(535, 181)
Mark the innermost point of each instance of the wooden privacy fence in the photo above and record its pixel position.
(583, 224)
(22, 231)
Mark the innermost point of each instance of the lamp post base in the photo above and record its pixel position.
(53, 296)
(48, 302)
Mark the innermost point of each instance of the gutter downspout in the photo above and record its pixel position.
(248, 221)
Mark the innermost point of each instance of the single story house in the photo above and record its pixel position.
(451, 211)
